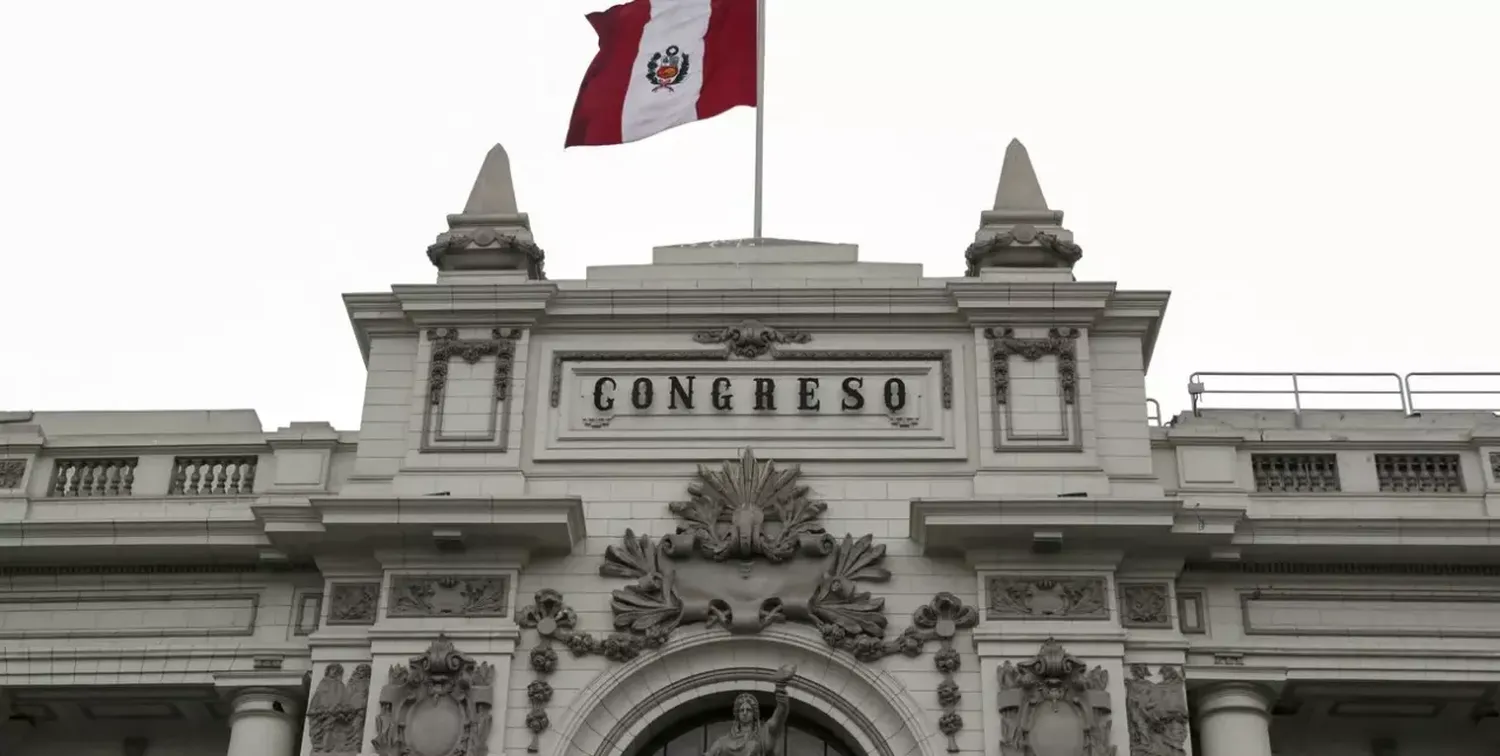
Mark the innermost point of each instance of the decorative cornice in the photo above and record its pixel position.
(1344, 568)
(158, 569)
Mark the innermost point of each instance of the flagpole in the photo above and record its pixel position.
(760, 109)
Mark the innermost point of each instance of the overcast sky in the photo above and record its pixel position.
(188, 187)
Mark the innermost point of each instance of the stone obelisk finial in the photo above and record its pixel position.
(1022, 234)
(491, 235)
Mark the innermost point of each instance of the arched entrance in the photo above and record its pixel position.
(689, 729)
(623, 711)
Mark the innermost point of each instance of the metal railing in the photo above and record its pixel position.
(1153, 413)
(1411, 393)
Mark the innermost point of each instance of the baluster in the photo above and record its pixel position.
(233, 469)
(195, 482)
(127, 477)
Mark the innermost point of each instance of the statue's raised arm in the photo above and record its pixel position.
(777, 724)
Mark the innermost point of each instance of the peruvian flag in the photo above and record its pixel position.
(664, 63)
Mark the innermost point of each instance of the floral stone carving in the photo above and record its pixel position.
(751, 338)
(1145, 605)
(1157, 711)
(1046, 597)
(353, 603)
(336, 713)
(440, 704)
(448, 596)
(11, 472)
(1054, 705)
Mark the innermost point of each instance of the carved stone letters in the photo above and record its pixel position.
(1054, 705)
(353, 603)
(336, 713)
(1038, 597)
(1157, 711)
(1145, 605)
(448, 596)
(440, 704)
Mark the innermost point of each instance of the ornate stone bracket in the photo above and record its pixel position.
(1157, 712)
(336, 713)
(1054, 703)
(440, 697)
(1060, 342)
(751, 338)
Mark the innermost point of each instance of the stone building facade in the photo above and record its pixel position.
(907, 516)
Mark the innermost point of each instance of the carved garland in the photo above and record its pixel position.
(1066, 251)
(751, 338)
(336, 713)
(1060, 342)
(1157, 712)
(446, 346)
(535, 259)
(747, 512)
(445, 696)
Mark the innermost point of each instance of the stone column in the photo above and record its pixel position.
(263, 723)
(1234, 719)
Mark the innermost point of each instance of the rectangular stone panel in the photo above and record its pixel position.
(840, 404)
(113, 615)
(1428, 615)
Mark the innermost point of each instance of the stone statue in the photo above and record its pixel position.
(748, 736)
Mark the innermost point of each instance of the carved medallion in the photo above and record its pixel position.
(11, 472)
(353, 603)
(1145, 605)
(336, 713)
(751, 338)
(440, 704)
(1054, 705)
(1157, 711)
(1047, 597)
(448, 596)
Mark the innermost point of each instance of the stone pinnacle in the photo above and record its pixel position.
(494, 192)
(1019, 188)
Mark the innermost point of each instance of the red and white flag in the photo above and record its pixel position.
(664, 63)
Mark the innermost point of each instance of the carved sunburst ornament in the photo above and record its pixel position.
(749, 509)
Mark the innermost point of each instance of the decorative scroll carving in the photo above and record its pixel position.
(751, 338)
(447, 346)
(1028, 597)
(748, 736)
(1157, 712)
(336, 713)
(440, 704)
(353, 603)
(1059, 250)
(1145, 605)
(448, 596)
(11, 472)
(1054, 705)
(1060, 343)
